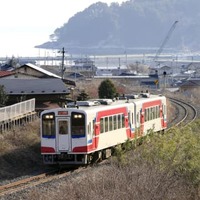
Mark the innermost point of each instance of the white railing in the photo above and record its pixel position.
(17, 110)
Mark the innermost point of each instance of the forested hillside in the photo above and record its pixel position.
(133, 25)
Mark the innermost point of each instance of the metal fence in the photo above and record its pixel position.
(17, 110)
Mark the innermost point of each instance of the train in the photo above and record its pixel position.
(85, 131)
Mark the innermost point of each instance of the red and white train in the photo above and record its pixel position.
(89, 130)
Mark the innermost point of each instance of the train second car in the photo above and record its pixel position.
(88, 130)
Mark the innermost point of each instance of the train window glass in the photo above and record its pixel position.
(48, 125)
(101, 125)
(78, 126)
(137, 117)
(164, 109)
(93, 125)
(119, 121)
(110, 123)
(63, 127)
(89, 128)
(145, 115)
(115, 122)
(151, 116)
(156, 111)
(129, 116)
(106, 124)
(123, 121)
(132, 118)
(153, 113)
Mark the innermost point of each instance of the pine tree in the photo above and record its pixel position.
(83, 96)
(107, 89)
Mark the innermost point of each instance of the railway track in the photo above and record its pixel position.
(31, 182)
(185, 113)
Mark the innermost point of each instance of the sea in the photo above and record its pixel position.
(105, 61)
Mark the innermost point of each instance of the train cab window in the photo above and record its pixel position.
(77, 124)
(48, 125)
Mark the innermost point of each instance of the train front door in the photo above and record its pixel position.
(63, 139)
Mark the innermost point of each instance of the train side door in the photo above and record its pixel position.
(63, 135)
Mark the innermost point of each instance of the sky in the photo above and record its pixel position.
(27, 23)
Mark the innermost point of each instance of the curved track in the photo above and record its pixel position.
(184, 115)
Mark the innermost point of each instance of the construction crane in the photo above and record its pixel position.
(165, 40)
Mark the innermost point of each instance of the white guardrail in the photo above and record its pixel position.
(17, 110)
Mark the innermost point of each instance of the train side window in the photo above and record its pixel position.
(151, 110)
(119, 121)
(148, 114)
(101, 125)
(153, 113)
(132, 118)
(115, 122)
(110, 123)
(164, 109)
(138, 117)
(89, 128)
(145, 115)
(48, 125)
(157, 112)
(106, 124)
(129, 117)
(123, 121)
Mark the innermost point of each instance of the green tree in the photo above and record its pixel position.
(107, 89)
(3, 96)
(83, 96)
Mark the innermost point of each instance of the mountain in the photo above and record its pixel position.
(133, 26)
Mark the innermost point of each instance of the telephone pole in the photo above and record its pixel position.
(62, 63)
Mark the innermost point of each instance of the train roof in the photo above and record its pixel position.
(98, 104)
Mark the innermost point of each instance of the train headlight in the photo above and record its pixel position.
(78, 116)
(48, 117)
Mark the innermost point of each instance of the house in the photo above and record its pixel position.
(83, 64)
(48, 92)
(4, 74)
(31, 71)
(161, 70)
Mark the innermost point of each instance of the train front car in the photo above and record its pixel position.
(62, 132)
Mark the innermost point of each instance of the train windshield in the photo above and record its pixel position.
(48, 125)
(77, 125)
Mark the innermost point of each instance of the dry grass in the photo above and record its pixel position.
(20, 151)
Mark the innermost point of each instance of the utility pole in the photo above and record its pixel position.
(62, 65)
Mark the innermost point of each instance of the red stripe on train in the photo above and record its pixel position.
(47, 150)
